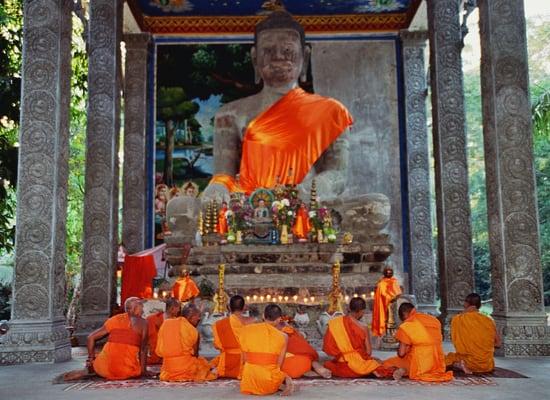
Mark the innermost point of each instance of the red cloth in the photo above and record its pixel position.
(137, 277)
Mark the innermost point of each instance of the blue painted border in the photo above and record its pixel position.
(150, 146)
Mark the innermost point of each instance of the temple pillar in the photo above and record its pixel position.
(101, 179)
(517, 285)
(454, 236)
(134, 194)
(37, 326)
(422, 273)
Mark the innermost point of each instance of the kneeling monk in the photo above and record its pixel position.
(154, 321)
(348, 341)
(420, 352)
(475, 337)
(123, 356)
(264, 349)
(178, 345)
(226, 339)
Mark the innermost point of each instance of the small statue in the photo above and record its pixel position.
(261, 213)
(302, 225)
(222, 226)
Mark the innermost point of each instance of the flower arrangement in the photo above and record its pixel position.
(283, 212)
(239, 215)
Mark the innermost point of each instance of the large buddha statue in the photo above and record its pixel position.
(281, 134)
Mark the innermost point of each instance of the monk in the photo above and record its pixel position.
(300, 356)
(387, 290)
(264, 348)
(474, 337)
(420, 353)
(185, 289)
(123, 356)
(221, 226)
(302, 225)
(178, 345)
(348, 341)
(154, 321)
(282, 131)
(226, 339)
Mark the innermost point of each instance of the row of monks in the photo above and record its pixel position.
(267, 356)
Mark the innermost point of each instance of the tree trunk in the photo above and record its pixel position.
(169, 153)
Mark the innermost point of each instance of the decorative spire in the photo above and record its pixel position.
(313, 196)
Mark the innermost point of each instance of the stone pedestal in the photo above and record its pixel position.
(102, 180)
(517, 284)
(37, 326)
(422, 267)
(454, 236)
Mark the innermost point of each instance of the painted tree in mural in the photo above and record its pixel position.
(176, 110)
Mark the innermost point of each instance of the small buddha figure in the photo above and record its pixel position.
(185, 289)
(302, 225)
(222, 226)
(261, 212)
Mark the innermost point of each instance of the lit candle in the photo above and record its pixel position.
(163, 294)
(346, 298)
(355, 295)
(305, 299)
(155, 295)
(255, 297)
(312, 298)
(295, 297)
(364, 296)
(261, 299)
(280, 298)
(372, 295)
(286, 298)
(247, 299)
(268, 297)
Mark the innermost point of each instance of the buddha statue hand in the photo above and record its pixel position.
(215, 191)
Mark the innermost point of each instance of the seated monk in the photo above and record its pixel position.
(123, 356)
(185, 288)
(226, 339)
(300, 356)
(348, 341)
(154, 321)
(264, 349)
(474, 337)
(178, 345)
(420, 352)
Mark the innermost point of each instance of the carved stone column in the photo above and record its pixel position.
(134, 196)
(517, 285)
(455, 255)
(37, 326)
(422, 267)
(102, 137)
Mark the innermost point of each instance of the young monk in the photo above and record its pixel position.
(348, 341)
(300, 356)
(264, 348)
(474, 337)
(226, 339)
(123, 356)
(154, 321)
(420, 353)
(178, 345)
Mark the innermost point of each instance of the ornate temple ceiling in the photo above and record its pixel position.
(229, 17)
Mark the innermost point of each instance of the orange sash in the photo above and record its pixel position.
(261, 358)
(125, 336)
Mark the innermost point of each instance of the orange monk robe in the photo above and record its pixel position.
(299, 354)
(473, 335)
(185, 289)
(221, 226)
(154, 321)
(286, 140)
(177, 340)
(262, 344)
(425, 360)
(119, 358)
(345, 341)
(302, 225)
(226, 334)
(386, 290)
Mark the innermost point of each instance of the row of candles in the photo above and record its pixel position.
(295, 299)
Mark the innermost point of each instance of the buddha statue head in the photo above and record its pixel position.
(280, 55)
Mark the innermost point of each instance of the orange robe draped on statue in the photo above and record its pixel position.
(287, 137)
(386, 290)
(262, 344)
(185, 289)
(425, 360)
(177, 340)
(119, 358)
(154, 321)
(473, 335)
(345, 341)
(299, 354)
(226, 334)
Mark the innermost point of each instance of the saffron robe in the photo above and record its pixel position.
(226, 339)
(177, 339)
(473, 335)
(345, 341)
(185, 289)
(425, 360)
(154, 321)
(221, 226)
(286, 140)
(119, 358)
(302, 225)
(299, 354)
(262, 344)
(386, 290)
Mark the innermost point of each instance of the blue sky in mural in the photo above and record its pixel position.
(252, 7)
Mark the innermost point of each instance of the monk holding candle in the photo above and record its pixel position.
(154, 321)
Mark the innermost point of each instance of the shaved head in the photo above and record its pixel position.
(404, 310)
(192, 314)
(473, 299)
(131, 303)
